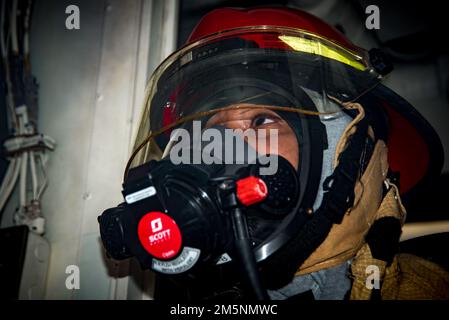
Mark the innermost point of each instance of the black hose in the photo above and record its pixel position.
(245, 253)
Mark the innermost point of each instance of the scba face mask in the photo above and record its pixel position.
(178, 217)
(182, 212)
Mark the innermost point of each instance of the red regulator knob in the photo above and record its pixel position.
(251, 190)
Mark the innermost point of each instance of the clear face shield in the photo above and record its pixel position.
(251, 78)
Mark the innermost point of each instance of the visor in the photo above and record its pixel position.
(262, 66)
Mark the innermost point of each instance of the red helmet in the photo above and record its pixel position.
(286, 51)
(227, 18)
(415, 150)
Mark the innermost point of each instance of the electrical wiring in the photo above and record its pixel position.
(44, 158)
(10, 186)
(10, 99)
(26, 27)
(2, 32)
(23, 179)
(13, 26)
(44, 174)
(34, 180)
(7, 177)
(23, 121)
(4, 49)
(26, 147)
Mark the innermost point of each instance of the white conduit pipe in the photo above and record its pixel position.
(7, 176)
(10, 186)
(44, 174)
(23, 179)
(33, 174)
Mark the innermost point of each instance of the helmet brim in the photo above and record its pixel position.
(414, 148)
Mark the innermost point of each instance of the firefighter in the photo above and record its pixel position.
(355, 145)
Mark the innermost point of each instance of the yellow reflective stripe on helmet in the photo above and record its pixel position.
(319, 48)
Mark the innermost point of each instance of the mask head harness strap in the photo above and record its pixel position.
(337, 199)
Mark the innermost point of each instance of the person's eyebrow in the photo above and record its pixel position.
(239, 114)
(224, 115)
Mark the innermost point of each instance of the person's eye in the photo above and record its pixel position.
(261, 120)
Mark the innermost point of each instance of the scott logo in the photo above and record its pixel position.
(159, 235)
(156, 225)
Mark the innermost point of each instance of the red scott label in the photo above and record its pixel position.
(159, 235)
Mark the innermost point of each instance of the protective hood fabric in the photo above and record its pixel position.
(345, 239)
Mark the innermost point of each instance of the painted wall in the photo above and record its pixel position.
(92, 83)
